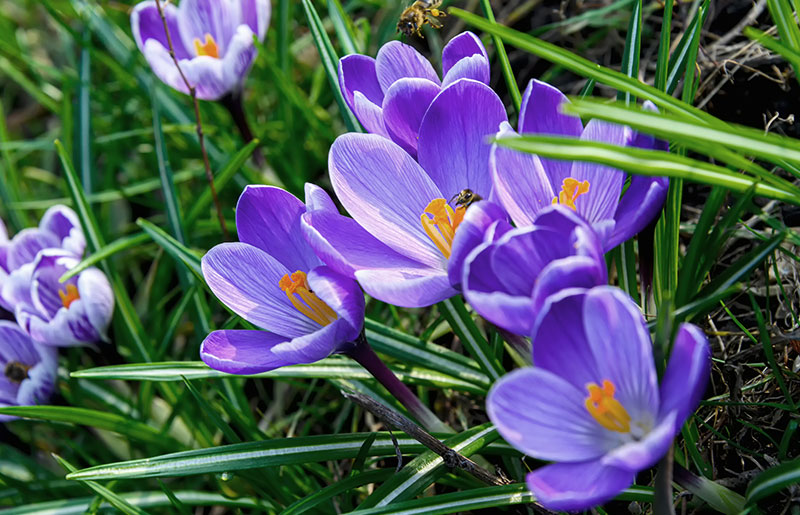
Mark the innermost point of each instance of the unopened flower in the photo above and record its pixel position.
(508, 277)
(28, 371)
(391, 93)
(213, 42)
(273, 279)
(59, 228)
(592, 402)
(408, 238)
(75, 312)
(526, 184)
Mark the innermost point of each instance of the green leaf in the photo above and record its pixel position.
(461, 322)
(346, 485)
(268, 453)
(508, 72)
(124, 243)
(643, 162)
(113, 499)
(93, 418)
(172, 247)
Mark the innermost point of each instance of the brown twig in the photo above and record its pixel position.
(199, 125)
(452, 459)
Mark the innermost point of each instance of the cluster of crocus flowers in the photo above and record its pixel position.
(28, 369)
(592, 402)
(213, 41)
(391, 93)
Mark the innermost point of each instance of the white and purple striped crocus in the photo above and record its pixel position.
(525, 184)
(508, 277)
(273, 279)
(407, 241)
(76, 312)
(592, 403)
(28, 370)
(213, 42)
(390, 94)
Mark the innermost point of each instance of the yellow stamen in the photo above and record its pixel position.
(69, 295)
(442, 223)
(304, 300)
(571, 189)
(208, 48)
(605, 409)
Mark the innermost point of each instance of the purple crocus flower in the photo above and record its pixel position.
(406, 243)
(29, 370)
(391, 93)
(273, 279)
(59, 228)
(525, 184)
(212, 39)
(592, 402)
(76, 312)
(508, 277)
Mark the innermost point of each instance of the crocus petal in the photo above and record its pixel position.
(520, 182)
(605, 183)
(369, 115)
(386, 191)
(347, 247)
(207, 76)
(3, 232)
(317, 199)
(239, 56)
(98, 299)
(163, 66)
(577, 486)
(544, 416)
(638, 455)
(64, 224)
(465, 45)
(39, 385)
(314, 346)
(256, 14)
(406, 287)
(357, 73)
(453, 140)
(196, 18)
(686, 375)
(404, 106)
(640, 204)
(470, 234)
(475, 67)
(67, 328)
(245, 279)
(569, 272)
(26, 245)
(396, 60)
(540, 113)
(244, 352)
(17, 345)
(268, 217)
(146, 24)
(619, 342)
(49, 266)
(342, 295)
(15, 290)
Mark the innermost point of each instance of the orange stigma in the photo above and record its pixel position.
(605, 409)
(304, 300)
(442, 223)
(571, 189)
(208, 48)
(69, 295)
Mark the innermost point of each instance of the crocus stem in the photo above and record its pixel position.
(233, 103)
(366, 357)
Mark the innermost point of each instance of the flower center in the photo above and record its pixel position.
(16, 372)
(607, 410)
(571, 189)
(304, 300)
(69, 295)
(208, 48)
(440, 222)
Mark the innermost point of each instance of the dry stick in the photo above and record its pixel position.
(199, 126)
(452, 459)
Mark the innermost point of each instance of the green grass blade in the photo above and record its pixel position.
(124, 243)
(311, 501)
(505, 65)
(172, 246)
(93, 418)
(83, 145)
(662, 64)
(113, 499)
(643, 162)
(633, 46)
(772, 481)
(464, 327)
(268, 453)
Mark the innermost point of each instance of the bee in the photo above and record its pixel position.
(16, 372)
(418, 14)
(465, 197)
